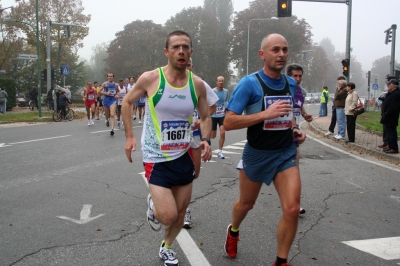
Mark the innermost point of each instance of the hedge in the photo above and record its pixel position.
(10, 86)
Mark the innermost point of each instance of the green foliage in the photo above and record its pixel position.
(371, 122)
(9, 85)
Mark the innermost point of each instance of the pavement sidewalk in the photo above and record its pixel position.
(365, 140)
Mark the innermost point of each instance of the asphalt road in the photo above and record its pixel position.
(70, 197)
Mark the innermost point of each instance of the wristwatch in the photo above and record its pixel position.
(208, 140)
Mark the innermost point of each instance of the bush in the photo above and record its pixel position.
(9, 85)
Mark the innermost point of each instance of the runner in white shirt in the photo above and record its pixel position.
(121, 94)
(212, 98)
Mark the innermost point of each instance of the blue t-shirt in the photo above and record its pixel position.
(221, 103)
(248, 94)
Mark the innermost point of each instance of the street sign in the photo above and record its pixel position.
(375, 86)
(2, 72)
(64, 70)
(28, 56)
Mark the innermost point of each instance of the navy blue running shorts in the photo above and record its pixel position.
(263, 165)
(178, 172)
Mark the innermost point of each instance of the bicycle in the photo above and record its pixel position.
(57, 115)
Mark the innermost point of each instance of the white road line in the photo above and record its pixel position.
(240, 143)
(226, 152)
(353, 155)
(188, 246)
(39, 140)
(108, 130)
(233, 147)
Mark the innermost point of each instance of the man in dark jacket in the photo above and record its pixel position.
(384, 145)
(390, 115)
(340, 99)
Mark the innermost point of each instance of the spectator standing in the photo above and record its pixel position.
(390, 115)
(34, 96)
(323, 109)
(340, 100)
(333, 118)
(349, 108)
(384, 145)
(3, 100)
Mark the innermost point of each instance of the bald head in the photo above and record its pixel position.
(273, 37)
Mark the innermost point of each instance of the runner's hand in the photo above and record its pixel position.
(130, 146)
(207, 154)
(196, 125)
(299, 135)
(308, 117)
(277, 109)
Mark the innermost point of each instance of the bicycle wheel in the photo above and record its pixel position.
(31, 105)
(57, 116)
(70, 115)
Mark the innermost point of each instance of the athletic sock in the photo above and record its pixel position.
(280, 261)
(234, 232)
(165, 245)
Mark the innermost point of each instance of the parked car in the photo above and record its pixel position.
(309, 98)
(378, 102)
(317, 97)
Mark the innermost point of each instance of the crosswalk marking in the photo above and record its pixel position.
(384, 248)
(233, 147)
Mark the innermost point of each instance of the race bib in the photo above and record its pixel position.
(90, 96)
(175, 135)
(280, 123)
(220, 109)
(111, 91)
(297, 112)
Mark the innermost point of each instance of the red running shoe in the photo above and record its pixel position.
(231, 244)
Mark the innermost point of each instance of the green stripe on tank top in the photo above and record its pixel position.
(192, 90)
(160, 89)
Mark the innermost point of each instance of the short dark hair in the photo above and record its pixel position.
(291, 67)
(131, 77)
(351, 85)
(177, 33)
(111, 74)
(121, 80)
(341, 78)
(95, 82)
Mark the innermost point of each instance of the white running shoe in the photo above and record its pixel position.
(151, 220)
(187, 222)
(338, 137)
(88, 123)
(220, 155)
(119, 124)
(168, 256)
(140, 121)
(328, 133)
(92, 122)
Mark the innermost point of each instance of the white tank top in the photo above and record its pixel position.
(122, 93)
(168, 115)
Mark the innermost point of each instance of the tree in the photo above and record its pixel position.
(98, 63)
(136, 49)
(64, 51)
(296, 31)
(328, 46)
(380, 69)
(315, 69)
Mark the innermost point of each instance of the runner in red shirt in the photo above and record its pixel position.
(90, 94)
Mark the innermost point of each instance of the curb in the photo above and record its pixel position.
(375, 152)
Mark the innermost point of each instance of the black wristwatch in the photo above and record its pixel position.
(208, 140)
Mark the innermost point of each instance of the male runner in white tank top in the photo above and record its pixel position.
(172, 94)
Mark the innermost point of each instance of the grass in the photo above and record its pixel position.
(31, 117)
(371, 122)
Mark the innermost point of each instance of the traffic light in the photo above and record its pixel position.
(284, 8)
(345, 64)
(388, 38)
(67, 32)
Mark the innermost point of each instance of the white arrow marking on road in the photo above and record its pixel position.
(384, 248)
(4, 145)
(85, 215)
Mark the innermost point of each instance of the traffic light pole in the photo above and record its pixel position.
(348, 35)
(392, 58)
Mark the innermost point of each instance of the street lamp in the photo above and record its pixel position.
(248, 38)
(36, 29)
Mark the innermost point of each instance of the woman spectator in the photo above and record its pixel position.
(349, 108)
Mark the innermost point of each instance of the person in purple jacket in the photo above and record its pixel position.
(296, 71)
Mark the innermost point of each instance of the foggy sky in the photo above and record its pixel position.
(370, 19)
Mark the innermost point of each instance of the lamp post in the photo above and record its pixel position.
(248, 38)
(36, 29)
